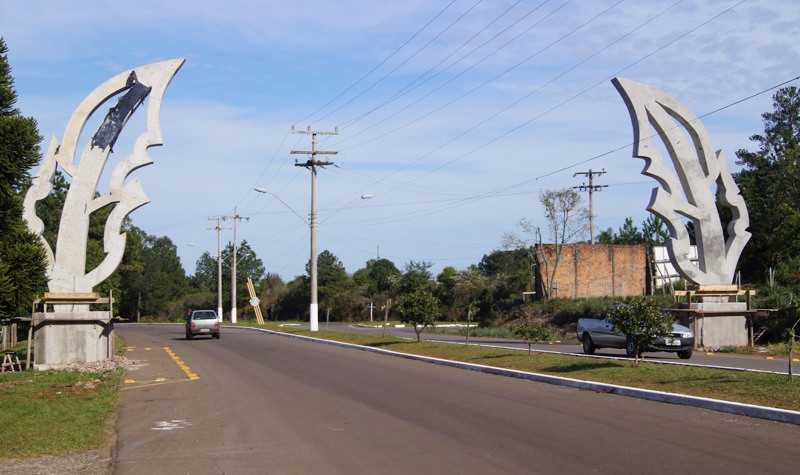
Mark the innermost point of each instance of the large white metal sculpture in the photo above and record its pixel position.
(73, 333)
(687, 188)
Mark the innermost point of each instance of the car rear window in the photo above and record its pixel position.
(205, 316)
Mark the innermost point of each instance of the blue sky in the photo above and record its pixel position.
(454, 114)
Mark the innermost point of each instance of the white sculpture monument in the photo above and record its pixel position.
(688, 192)
(73, 333)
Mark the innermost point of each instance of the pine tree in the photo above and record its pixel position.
(22, 257)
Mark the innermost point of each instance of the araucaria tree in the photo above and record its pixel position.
(22, 257)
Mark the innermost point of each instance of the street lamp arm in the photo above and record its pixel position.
(263, 190)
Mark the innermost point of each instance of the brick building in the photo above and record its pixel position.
(592, 270)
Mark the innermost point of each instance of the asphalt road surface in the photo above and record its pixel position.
(727, 360)
(258, 403)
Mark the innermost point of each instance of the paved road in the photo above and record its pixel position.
(731, 360)
(270, 404)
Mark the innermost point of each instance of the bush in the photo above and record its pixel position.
(532, 331)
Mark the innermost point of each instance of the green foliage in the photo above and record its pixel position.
(419, 308)
(416, 276)
(770, 185)
(378, 277)
(151, 276)
(532, 331)
(641, 321)
(654, 231)
(22, 257)
(247, 265)
(629, 234)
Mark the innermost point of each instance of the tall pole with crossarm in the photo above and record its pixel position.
(312, 164)
(591, 188)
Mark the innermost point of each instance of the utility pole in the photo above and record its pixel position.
(591, 187)
(312, 164)
(219, 229)
(235, 217)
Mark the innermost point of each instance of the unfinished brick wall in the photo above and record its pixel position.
(593, 270)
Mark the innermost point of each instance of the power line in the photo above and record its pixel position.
(379, 64)
(405, 90)
(402, 63)
(528, 122)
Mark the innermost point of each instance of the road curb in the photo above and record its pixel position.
(750, 410)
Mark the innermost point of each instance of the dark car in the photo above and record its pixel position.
(202, 322)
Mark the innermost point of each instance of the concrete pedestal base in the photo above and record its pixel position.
(720, 330)
(63, 338)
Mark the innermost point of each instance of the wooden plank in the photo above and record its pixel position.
(70, 296)
(715, 288)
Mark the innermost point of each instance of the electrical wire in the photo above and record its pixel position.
(379, 64)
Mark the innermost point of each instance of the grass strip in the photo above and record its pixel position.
(762, 389)
(55, 412)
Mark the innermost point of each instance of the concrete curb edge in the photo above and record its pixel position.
(750, 410)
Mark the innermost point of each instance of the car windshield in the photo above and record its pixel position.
(205, 316)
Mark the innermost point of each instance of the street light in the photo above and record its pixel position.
(313, 307)
(219, 277)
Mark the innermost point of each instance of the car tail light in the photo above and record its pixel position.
(192, 325)
(216, 324)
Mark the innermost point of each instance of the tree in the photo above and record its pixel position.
(532, 331)
(205, 273)
(654, 231)
(418, 308)
(22, 257)
(642, 322)
(416, 276)
(567, 218)
(247, 265)
(333, 283)
(383, 274)
(770, 185)
(163, 278)
(606, 237)
(273, 288)
(629, 234)
(446, 289)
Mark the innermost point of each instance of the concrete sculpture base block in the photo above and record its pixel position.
(720, 330)
(64, 338)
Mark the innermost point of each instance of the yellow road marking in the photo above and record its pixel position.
(189, 375)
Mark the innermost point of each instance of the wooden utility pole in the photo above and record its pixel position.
(235, 218)
(219, 229)
(591, 187)
(312, 164)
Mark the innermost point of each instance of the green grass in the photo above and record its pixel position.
(55, 412)
(761, 389)
(772, 349)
